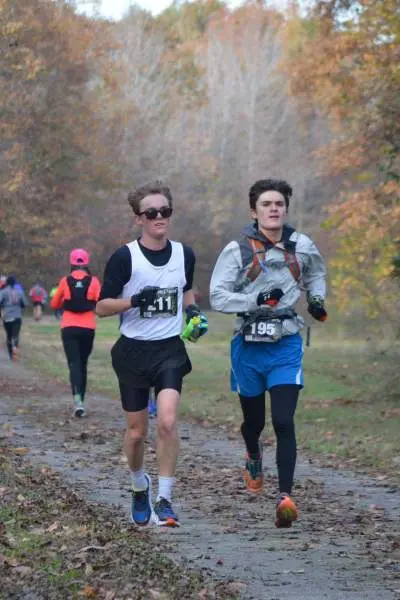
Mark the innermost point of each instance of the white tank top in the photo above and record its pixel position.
(163, 319)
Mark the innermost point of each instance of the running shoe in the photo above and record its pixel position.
(164, 515)
(141, 504)
(286, 511)
(14, 353)
(253, 472)
(253, 475)
(79, 410)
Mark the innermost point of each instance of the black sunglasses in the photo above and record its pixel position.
(151, 213)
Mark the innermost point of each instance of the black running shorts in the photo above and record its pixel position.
(140, 365)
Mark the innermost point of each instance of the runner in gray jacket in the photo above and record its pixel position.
(12, 304)
(260, 278)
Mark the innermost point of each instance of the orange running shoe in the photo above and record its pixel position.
(15, 353)
(286, 511)
(253, 475)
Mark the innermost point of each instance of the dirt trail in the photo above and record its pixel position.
(346, 544)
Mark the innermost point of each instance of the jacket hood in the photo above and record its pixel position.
(251, 231)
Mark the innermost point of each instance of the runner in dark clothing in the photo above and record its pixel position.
(12, 304)
(77, 295)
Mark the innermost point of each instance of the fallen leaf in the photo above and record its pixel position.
(236, 587)
(89, 592)
(21, 451)
(23, 570)
(157, 595)
(93, 548)
(11, 561)
(9, 541)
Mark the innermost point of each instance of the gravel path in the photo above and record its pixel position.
(345, 545)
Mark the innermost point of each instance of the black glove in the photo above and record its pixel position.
(270, 298)
(192, 311)
(316, 308)
(145, 297)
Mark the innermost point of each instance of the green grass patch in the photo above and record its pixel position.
(349, 407)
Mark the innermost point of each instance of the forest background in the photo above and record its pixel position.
(209, 99)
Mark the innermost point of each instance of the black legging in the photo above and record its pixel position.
(283, 406)
(12, 331)
(78, 344)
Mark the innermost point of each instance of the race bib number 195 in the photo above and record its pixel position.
(263, 330)
(164, 305)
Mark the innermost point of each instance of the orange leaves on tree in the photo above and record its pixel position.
(348, 69)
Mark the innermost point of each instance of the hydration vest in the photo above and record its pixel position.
(78, 291)
(259, 251)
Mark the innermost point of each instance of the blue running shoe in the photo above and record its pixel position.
(164, 515)
(141, 504)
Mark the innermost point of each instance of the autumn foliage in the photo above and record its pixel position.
(49, 168)
(209, 99)
(343, 60)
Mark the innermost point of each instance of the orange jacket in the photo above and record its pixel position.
(73, 319)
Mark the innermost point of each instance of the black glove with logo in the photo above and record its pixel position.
(316, 308)
(145, 297)
(270, 298)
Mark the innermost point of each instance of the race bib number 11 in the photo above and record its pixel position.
(164, 305)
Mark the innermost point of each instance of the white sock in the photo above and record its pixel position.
(139, 481)
(165, 485)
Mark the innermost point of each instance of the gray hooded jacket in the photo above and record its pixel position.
(232, 292)
(12, 303)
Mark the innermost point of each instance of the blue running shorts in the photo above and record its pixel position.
(258, 366)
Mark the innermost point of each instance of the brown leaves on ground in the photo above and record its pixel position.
(89, 592)
(21, 451)
(81, 550)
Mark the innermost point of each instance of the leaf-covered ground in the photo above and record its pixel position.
(64, 498)
(55, 544)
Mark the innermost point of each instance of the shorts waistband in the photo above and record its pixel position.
(150, 342)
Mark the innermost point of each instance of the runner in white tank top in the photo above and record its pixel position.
(148, 282)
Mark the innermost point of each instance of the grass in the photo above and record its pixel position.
(54, 544)
(349, 409)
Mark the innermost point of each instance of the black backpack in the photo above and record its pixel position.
(78, 290)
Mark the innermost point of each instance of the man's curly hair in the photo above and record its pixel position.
(266, 185)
